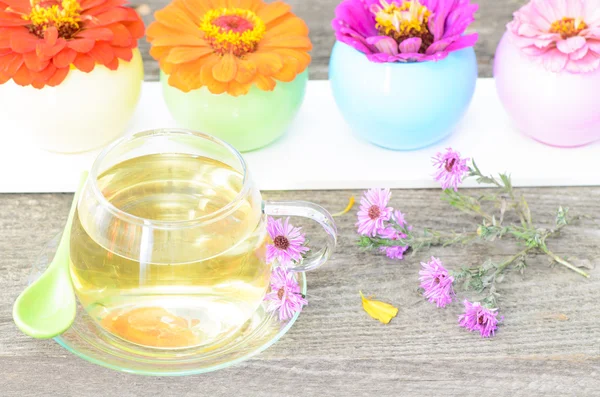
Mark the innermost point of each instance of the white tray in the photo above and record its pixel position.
(320, 152)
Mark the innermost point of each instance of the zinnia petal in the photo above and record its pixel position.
(411, 45)
(102, 53)
(586, 64)
(384, 44)
(289, 70)
(123, 53)
(554, 60)
(187, 54)
(207, 79)
(84, 62)
(22, 76)
(20, 6)
(265, 83)
(298, 42)
(236, 89)
(9, 64)
(96, 34)
(273, 11)
(176, 19)
(580, 53)
(571, 44)
(51, 35)
(33, 62)
(81, 45)
(225, 69)
(268, 62)
(290, 27)
(23, 42)
(246, 71)
(58, 77)
(64, 58)
(111, 16)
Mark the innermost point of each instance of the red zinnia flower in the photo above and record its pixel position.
(41, 40)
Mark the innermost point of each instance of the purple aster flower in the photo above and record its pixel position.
(394, 252)
(288, 242)
(405, 30)
(451, 168)
(285, 295)
(479, 318)
(374, 211)
(436, 282)
(399, 218)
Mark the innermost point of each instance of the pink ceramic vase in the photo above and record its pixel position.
(558, 109)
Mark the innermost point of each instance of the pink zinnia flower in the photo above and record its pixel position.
(374, 211)
(288, 242)
(436, 282)
(285, 295)
(479, 318)
(395, 252)
(451, 168)
(405, 30)
(561, 34)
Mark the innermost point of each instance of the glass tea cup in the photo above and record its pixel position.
(168, 245)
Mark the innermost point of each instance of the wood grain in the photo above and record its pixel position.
(490, 23)
(549, 343)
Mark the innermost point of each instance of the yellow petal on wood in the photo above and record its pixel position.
(347, 209)
(381, 311)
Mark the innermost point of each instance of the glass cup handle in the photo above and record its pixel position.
(316, 213)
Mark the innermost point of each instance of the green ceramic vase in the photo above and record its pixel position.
(247, 122)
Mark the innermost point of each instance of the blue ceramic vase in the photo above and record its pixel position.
(402, 106)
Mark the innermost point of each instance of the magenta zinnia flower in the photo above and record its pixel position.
(436, 282)
(285, 295)
(405, 30)
(479, 318)
(561, 34)
(374, 212)
(288, 242)
(451, 168)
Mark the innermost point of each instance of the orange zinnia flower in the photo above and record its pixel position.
(41, 39)
(228, 45)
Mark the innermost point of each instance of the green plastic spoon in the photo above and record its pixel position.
(47, 307)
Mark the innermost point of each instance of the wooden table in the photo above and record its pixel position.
(549, 343)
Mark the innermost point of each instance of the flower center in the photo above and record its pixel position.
(374, 212)
(232, 30)
(480, 320)
(404, 21)
(280, 293)
(450, 165)
(63, 14)
(281, 242)
(568, 27)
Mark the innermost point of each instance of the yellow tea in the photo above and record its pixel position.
(161, 266)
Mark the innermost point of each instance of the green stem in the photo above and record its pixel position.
(563, 262)
(510, 260)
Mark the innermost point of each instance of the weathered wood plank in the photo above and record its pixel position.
(550, 341)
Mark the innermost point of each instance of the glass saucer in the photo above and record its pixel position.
(90, 342)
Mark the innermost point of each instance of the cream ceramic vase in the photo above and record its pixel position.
(86, 111)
